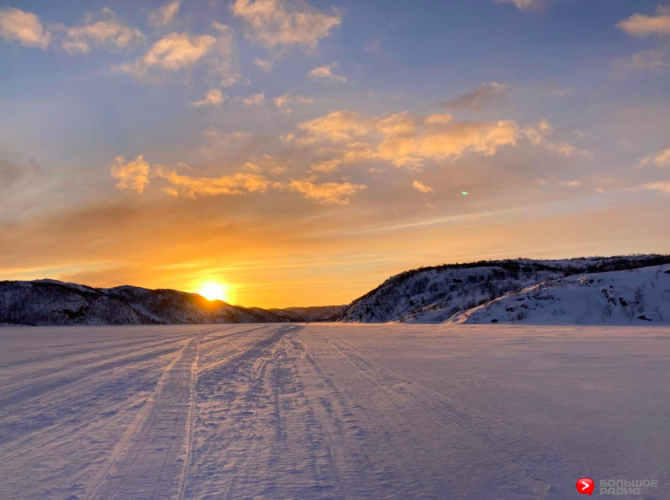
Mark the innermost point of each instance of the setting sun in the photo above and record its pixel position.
(214, 291)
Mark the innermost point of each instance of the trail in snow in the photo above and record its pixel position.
(330, 411)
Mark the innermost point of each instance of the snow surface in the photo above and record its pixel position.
(639, 296)
(395, 411)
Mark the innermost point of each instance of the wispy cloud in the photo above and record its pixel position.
(214, 97)
(521, 4)
(165, 15)
(420, 186)
(326, 193)
(289, 99)
(659, 160)
(479, 98)
(661, 186)
(406, 139)
(409, 140)
(640, 25)
(23, 27)
(326, 73)
(136, 176)
(133, 175)
(274, 23)
(651, 60)
(538, 134)
(264, 64)
(103, 29)
(181, 52)
(254, 99)
(173, 52)
(232, 185)
(570, 183)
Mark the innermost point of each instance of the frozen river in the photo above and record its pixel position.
(331, 411)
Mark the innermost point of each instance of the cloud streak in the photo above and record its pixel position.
(479, 98)
(521, 4)
(136, 175)
(326, 73)
(164, 16)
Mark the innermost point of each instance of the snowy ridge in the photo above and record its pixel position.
(435, 294)
(51, 302)
(640, 296)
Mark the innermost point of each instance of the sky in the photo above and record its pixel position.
(300, 153)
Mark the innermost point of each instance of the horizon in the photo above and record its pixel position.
(232, 149)
(351, 301)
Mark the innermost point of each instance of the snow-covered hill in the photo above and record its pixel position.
(636, 296)
(435, 294)
(50, 302)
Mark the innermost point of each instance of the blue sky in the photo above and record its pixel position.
(167, 143)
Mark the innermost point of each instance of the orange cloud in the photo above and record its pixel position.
(328, 192)
(135, 175)
(420, 186)
(232, 185)
(132, 175)
(104, 29)
(273, 23)
(406, 139)
(213, 97)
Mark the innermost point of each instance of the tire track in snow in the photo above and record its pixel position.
(518, 458)
(149, 462)
(242, 448)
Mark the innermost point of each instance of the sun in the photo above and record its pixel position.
(214, 291)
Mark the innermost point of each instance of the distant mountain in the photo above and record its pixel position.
(570, 291)
(51, 302)
(640, 296)
(316, 313)
(438, 294)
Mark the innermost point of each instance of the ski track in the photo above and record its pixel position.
(212, 412)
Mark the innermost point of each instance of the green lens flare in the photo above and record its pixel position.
(465, 193)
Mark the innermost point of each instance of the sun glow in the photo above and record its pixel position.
(214, 291)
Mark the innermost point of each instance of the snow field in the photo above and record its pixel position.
(330, 411)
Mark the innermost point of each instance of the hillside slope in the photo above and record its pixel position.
(314, 313)
(50, 302)
(435, 294)
(616, 298)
